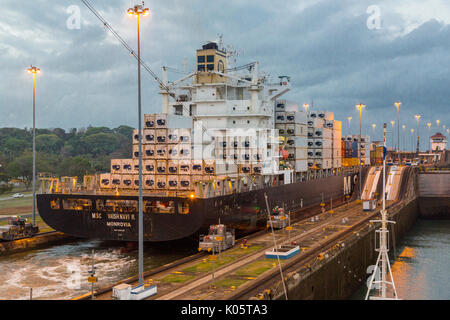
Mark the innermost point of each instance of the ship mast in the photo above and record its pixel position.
(382, 265)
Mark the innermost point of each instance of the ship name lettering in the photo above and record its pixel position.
(118, 224)
(96, 215)
(118, 216)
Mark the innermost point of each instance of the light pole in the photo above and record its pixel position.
(397, 105)
(306, 106)
(349, 120)
(360, 107)
(437, 122)
(429, 135)
(34, 70)
(373, 130)
(137, 11)
(412, 140)
(418, 137)
(404, 130)
(392, 135)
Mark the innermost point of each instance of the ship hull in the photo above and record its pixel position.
(93, 216)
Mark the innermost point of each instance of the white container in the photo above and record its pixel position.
(337, 162)
(127, 181)
(136, 151)
(149, 166)
(185, 135)
(184, 167)
(184, 151)
(310, 143)
(245, 168)
(296, 117)
(116, 165)
(172, 167)
(324, 133)
(197, 167)
(209, 167)
(245, 155)
(148, 136)
(311, 153)
(161, 182)
(257, 168)
(322, 143)
(136, 137)
(315, 123)
(325, 115)
(172, 152)
(116, 180)
(149, 151)
(172, 182)
(324, 153)
(296, 129)
(161, 151)
(149, 120)
(161, 167)
(280, 117)
(105, 181)
(173, 136)
(184, 182)
(149, 182)
(286, 105)
(160, 136)
(294, 141)
(127, 166)
(135, 168)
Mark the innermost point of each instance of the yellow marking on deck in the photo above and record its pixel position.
(206, 295)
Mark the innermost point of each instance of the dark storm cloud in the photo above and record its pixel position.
(325, 46)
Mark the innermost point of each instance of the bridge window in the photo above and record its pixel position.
(183, 207)
(159, 206)
(77, 204)
(55, 204)
(201, 59)
(201, 67)
(126, 206)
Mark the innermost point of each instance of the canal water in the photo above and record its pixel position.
(422, 269)
(61, 272)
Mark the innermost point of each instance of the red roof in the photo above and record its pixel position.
(438, 136)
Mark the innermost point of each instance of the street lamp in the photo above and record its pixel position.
(437, 122)
(429, 135)
(137, 11)
(360, 107)
(34, 70)
(397, 105)
(306, 106)
(417, 118)
(404, 142)
(373, 130)
(392, 134)
(349, 120)
(412, 140)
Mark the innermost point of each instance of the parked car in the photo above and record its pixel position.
(17, 195)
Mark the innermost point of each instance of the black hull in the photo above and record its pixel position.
(245, 212)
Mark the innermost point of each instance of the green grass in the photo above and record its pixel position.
(14, 203)
(207, 266)
(255, 268)
(177, 278)
(238, 251)
(228, 283)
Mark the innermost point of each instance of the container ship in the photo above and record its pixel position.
(223, 140)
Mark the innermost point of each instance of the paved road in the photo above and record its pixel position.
(10, 198)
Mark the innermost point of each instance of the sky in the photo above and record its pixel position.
(337, 53)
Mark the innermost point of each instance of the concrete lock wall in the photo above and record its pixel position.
(342, 270)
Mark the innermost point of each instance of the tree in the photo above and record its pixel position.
(75, 166)
(101, 143)
(50, 143)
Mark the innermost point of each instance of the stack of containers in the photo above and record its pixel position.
(320, 140)
(364, 147)
(292, 126)
(166, 156)
(336, 127)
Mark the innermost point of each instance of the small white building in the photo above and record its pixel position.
(438, 142)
